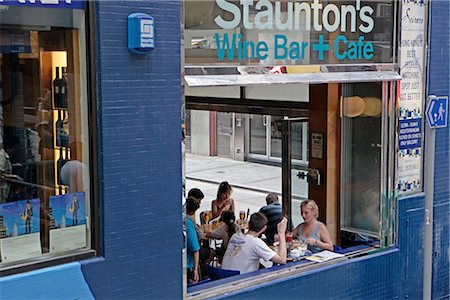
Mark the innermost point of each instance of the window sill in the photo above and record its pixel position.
(278, 273)
(45, 261)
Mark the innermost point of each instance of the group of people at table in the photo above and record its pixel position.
(241, 250)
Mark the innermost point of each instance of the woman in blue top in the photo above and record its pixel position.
(312, 232)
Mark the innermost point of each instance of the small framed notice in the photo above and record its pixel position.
(317, 145)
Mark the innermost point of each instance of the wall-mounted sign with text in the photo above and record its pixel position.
(290, 32)
(141, 34)
(411, 95)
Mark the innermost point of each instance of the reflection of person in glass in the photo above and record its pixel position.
(26, 216)
(73, 171)
(73, 208)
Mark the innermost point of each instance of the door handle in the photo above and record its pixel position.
(264, 120)
(310, 175)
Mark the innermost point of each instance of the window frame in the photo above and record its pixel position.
(387, 233)
(94, 175)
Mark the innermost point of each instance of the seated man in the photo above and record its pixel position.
(196, 194)
(272, 211)
(245, 250)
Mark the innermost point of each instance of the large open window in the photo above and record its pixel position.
(353, 183)
(45, 210)
(327, 122)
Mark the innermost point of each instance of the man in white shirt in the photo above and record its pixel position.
(245, 250)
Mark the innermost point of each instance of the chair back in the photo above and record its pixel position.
(202, 216)
(216, 273)
(336, 248)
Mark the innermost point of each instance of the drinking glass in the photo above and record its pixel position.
(289, 240)
(207, 216)
(242, 215)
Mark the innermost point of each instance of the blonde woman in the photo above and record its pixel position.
(312, 232)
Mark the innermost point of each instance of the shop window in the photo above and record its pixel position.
(44, 139)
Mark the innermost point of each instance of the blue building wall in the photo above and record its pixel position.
(139, 138)
(391, 274)
(439, 83)
(139, 100)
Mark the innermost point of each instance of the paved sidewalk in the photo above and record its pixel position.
(246, 175)
(251, 182)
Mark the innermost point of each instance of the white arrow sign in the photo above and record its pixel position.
(437, 111)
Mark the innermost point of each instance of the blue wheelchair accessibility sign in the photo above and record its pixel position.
(437, 112)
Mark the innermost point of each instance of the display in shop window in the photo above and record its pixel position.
(20, 230)
(68, 215)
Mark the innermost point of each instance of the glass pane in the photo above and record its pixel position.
(44, 150)
(258, 134)
(275, 136)
(210, 38)
(361, 154)
(297, 141)
(224, 133)
(299, 184)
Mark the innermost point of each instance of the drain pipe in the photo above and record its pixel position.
(428, 227)
(429, 178)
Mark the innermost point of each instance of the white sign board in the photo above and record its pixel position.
(412, 56)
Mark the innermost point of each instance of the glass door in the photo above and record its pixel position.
(294, 169)
(257, 136)
(264, 139)
(225, 137)
(274, 136)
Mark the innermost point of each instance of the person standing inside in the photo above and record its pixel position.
(192, 244)
(245, 250)
(273, 212)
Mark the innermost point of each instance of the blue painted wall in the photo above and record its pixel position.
(139, 138)
(59, 282)
(140, 153)
(439, 82)
(392, 274)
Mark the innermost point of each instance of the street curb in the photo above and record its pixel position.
(241, 187)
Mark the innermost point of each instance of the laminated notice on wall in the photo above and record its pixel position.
(67, 222)
(20, 230)
(411, 94)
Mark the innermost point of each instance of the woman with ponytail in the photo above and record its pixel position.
(224, 232)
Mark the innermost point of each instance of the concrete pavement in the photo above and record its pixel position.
(251, 182)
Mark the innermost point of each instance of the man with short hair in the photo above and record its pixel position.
(273, 213)
(245, 250)
(197, 194)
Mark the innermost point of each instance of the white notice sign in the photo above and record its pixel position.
(20, 247)
(412, 51)
(68, 238)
